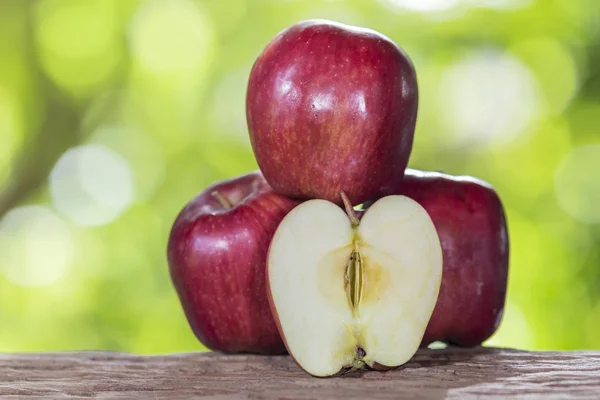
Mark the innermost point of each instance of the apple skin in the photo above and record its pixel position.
(332, 107)
(470, 221)
(217, 261)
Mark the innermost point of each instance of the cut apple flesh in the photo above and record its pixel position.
(348, 294)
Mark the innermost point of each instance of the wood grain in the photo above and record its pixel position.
(432, 374)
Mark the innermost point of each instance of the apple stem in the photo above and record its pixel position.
(222, 200)
(349, 209)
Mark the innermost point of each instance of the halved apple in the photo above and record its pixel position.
(349, 294)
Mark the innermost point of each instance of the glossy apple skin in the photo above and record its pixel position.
(470, 221)
(217, 261)
(332, 107)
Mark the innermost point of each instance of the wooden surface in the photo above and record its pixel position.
(432, 374)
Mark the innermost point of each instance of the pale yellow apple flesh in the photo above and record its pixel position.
(348, 295)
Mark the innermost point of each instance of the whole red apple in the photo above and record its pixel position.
(470, 221)
(217, 257)
(332, 107)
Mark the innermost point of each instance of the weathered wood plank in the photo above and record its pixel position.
(432, 374)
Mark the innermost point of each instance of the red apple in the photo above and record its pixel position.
(217, 254)
(470, 221)
(332, 107)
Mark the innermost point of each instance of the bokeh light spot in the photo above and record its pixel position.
(143, 153)
(36, 246)
(423, 5)
(171, 36)
(79, 42)
(445, 6)
(577, 183)
(554, 67)
(487, 98)
(230, 18)
(91, 185)
(228, 103)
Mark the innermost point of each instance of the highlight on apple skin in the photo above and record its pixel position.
(470, 221)
(332, 107)
(217, 253)
(347, 294)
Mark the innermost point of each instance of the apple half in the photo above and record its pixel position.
(347, 294)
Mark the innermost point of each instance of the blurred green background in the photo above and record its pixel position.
(115, 113)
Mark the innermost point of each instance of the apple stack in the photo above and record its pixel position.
(336, 252)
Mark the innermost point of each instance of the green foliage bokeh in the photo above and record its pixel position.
(153, 92)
